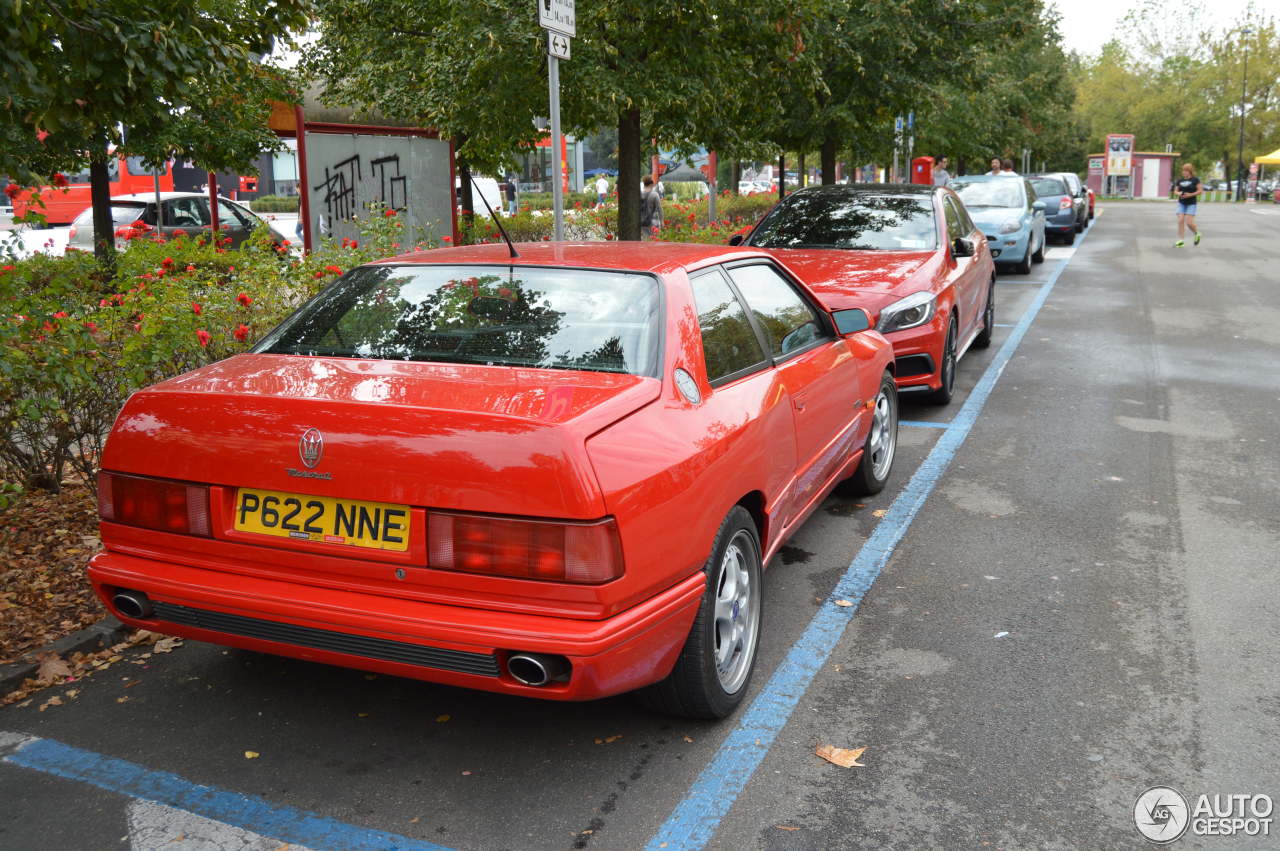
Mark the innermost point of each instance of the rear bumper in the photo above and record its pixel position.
(454, 645)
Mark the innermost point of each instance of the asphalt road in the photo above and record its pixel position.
(1083, 606)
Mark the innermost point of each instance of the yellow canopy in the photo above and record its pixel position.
(1272, 158)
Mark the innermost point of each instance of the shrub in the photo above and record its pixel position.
(275, 204)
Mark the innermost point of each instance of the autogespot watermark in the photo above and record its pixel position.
(1162, 814)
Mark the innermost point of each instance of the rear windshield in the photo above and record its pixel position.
(1048, 186)
(830, 220)
(121, 214)
(498, 315)
(989, 193)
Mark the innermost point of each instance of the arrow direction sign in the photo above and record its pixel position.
(558, 16)
(558, 45)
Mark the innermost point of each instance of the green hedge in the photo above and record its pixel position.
(275, 204)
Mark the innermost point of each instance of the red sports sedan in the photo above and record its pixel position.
(908, 254)
(556, 475)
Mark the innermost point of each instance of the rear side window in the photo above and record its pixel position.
(788, 321)
(729, 343)
(578, 319)
(121, 215)
(185, 213)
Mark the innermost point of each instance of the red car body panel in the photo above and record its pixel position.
(872, 280)
(529, 443)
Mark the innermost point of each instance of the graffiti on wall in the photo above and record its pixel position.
(351, 173)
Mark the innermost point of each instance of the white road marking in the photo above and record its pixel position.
(155, 827)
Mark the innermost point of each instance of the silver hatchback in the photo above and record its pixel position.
(185, 212)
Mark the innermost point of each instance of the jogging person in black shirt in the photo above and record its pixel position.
(1189, 189)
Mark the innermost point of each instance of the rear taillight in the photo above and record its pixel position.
(1065, 203)
(71, 234)
(524, 549)
(154, 503)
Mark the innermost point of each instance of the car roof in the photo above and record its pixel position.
(987, 178)
(878, 189)
(147, 197)
(656, 257)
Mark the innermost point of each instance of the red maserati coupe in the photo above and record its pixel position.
(556, 475)
(908, 254)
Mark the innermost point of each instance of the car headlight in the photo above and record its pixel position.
(1010, 226)
(915, 309)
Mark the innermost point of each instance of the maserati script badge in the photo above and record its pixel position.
(310, 448)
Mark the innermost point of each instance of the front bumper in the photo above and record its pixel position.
(454, 645)
(917, 354)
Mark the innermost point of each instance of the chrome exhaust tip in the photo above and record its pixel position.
(132, 604)
(537, 669)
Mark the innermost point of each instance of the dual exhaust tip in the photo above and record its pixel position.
(530, 669)
(538, 669)
(132, 604)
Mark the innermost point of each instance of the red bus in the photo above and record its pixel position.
(61, 206)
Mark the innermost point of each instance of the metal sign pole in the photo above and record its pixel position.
(557, 190)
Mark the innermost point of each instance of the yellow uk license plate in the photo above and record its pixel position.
(322, 519)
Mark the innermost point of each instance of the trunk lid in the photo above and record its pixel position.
(471, 438)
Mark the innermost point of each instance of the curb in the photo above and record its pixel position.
(104, 633)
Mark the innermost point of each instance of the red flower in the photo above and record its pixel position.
(608, 236)
(333, 270)
(504, 292)
(389, 212)
(446, 239)
(319, 274)
(242, 332)
(196, 308)
(244, 299)
(179, 232)
(61, 314)
(12, 190)
(190, 268)
(60, 180)
(354, 244)
(167, 262)
(204, 337)
(48, 326)
(92, 327)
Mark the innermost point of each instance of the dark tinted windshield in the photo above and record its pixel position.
(1001, 192)
(497, 315)
(827, 219)
(1048, 186)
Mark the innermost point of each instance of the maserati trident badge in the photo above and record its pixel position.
(310, 448)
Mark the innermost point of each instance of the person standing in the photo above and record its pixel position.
(1006, 167)
(941, 177)
(602, 190)
(1189, 189)
(650, 209)
(995, 165)
(511, 196)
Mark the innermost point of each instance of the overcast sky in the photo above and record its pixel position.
(1087, 24)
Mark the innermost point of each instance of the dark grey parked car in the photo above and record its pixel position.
(1061, 214)
(182, 211)
(1079, 195)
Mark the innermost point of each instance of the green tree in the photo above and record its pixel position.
(682, 71)
(156, 78)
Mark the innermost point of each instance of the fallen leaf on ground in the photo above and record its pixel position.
(123, 699)
(844, 604)
(53, 701)
(251, 754)
(880, 512)
(52, 666)
(843, 757)
(608, 740)
(415, 820)
(687, 739)
(785, 827)
(442, 719)
(166, 644)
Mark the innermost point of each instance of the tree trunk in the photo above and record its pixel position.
(736, 179)
(629, 175)
(828, 162)
(104, 237)
(782, 176)
(468, 193)
(804, 177)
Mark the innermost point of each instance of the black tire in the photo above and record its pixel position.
(983, 340)
(882, 442)
(947, 371)
(1038, 256)
(694, 688)
(1080, 225)
(1023, 266)
(1069, 238)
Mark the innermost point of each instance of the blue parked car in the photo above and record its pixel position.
(1005, 207)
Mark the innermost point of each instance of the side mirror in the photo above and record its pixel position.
(963, 247)
(1037, 205)
(737, 239)
(851, 320)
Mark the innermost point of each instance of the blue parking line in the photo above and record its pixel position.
(244, 811)
(1003, 324)
(1023, 281)
(922, 424)
(694, 821)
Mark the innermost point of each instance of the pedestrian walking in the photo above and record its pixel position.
(996, 165)
(1189, 189)
(650, 209)
(602, 190)
(512, 199)
(941, 177)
